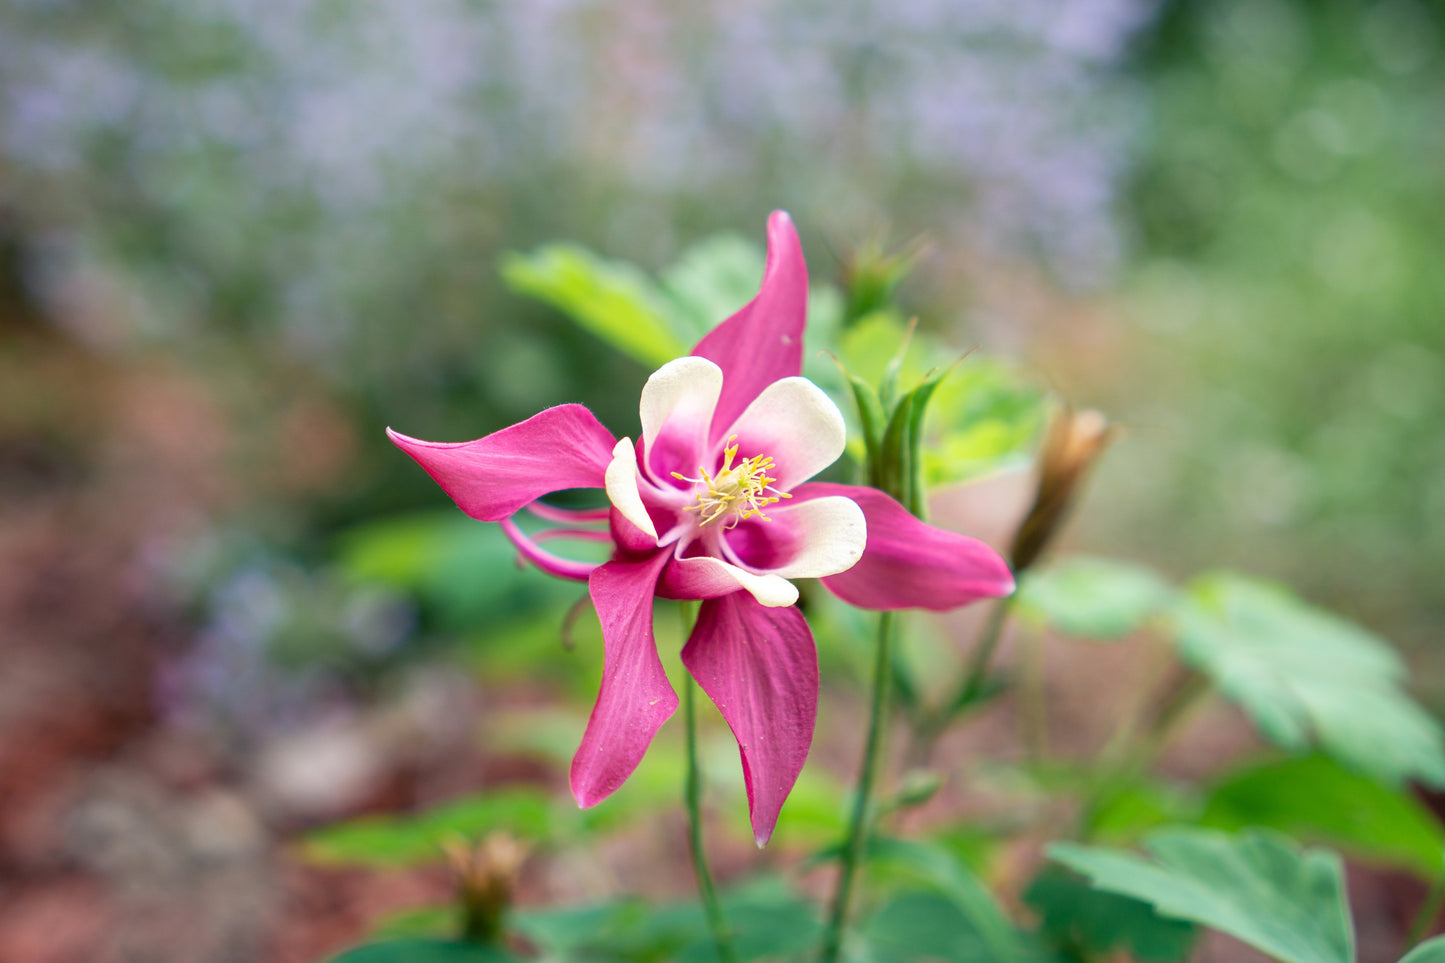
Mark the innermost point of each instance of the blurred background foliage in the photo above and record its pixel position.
(1219, 221)
(1286, 311)
(237, 239)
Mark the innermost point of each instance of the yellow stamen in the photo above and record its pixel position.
(738, 492)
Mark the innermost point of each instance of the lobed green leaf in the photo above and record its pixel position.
(424, 951)
(924, 926)
(1306, 677)
(979, 921)
(1258, 887)
(1078, 918)
(614, 300)
(1318, 799)
(768, 920)
(1095, 598)
(407, 840)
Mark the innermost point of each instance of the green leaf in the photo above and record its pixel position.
(1307, 677)
(415, 921)
(873, 273)
(390, 841)
(424, 951)
(463, 570)
(1430, 951)
(984, 417)
(612, 299)
(871, 417)
(1315, 798)
(1074, 916)
(869, 345)
(710, 281)
(982, 918)
(1129, 809)
(580, 932)
(899, 463)
(1258, 887)
(1095, 598)
(768, 920)
(893, 370)
(924, 926)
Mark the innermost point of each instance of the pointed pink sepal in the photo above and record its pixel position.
(635, 699)
(760, 666)
(493, 477)
(764, 340)
(908, 563)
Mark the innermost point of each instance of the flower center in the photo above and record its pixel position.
(737, 491)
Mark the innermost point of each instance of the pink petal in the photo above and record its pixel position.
(676, 410)
(629, 539)
(705, 577)
(795, 422)
(622, 490)
(806, 538)
(492, 477)
(910, 564)
(761, 668)
(764, 341)
(635, 698)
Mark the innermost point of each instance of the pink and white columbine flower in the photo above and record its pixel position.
(714, 503)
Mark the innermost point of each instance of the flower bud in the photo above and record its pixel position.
(486, 877)
(871, 275)
(1075, 439)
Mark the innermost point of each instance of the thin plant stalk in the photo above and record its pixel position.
(856, 845)
(1033, 699)
(978, 666)
(692, 795)
(929, 726)
(1128, 759)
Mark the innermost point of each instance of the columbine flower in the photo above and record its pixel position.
(714, 503)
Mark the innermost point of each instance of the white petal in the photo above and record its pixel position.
(621, 481)
(833, 532)
(773, 591)
(685, 389)
(795, 422)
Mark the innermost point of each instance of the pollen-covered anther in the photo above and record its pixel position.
(737, 491)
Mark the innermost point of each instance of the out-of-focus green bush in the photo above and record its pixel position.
(1285, 372)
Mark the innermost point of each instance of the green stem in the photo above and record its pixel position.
(1033, 700)
(973, 681)
(930, 725)
(1429, 909)
(1178, 703)
(1126, 761)
(692, 794)
(856, 843)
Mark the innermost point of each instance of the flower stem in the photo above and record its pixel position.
(930, 725)
(977, 676)
(856, 844)
(1033, 700)
(1131, 754)
(692, 795)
